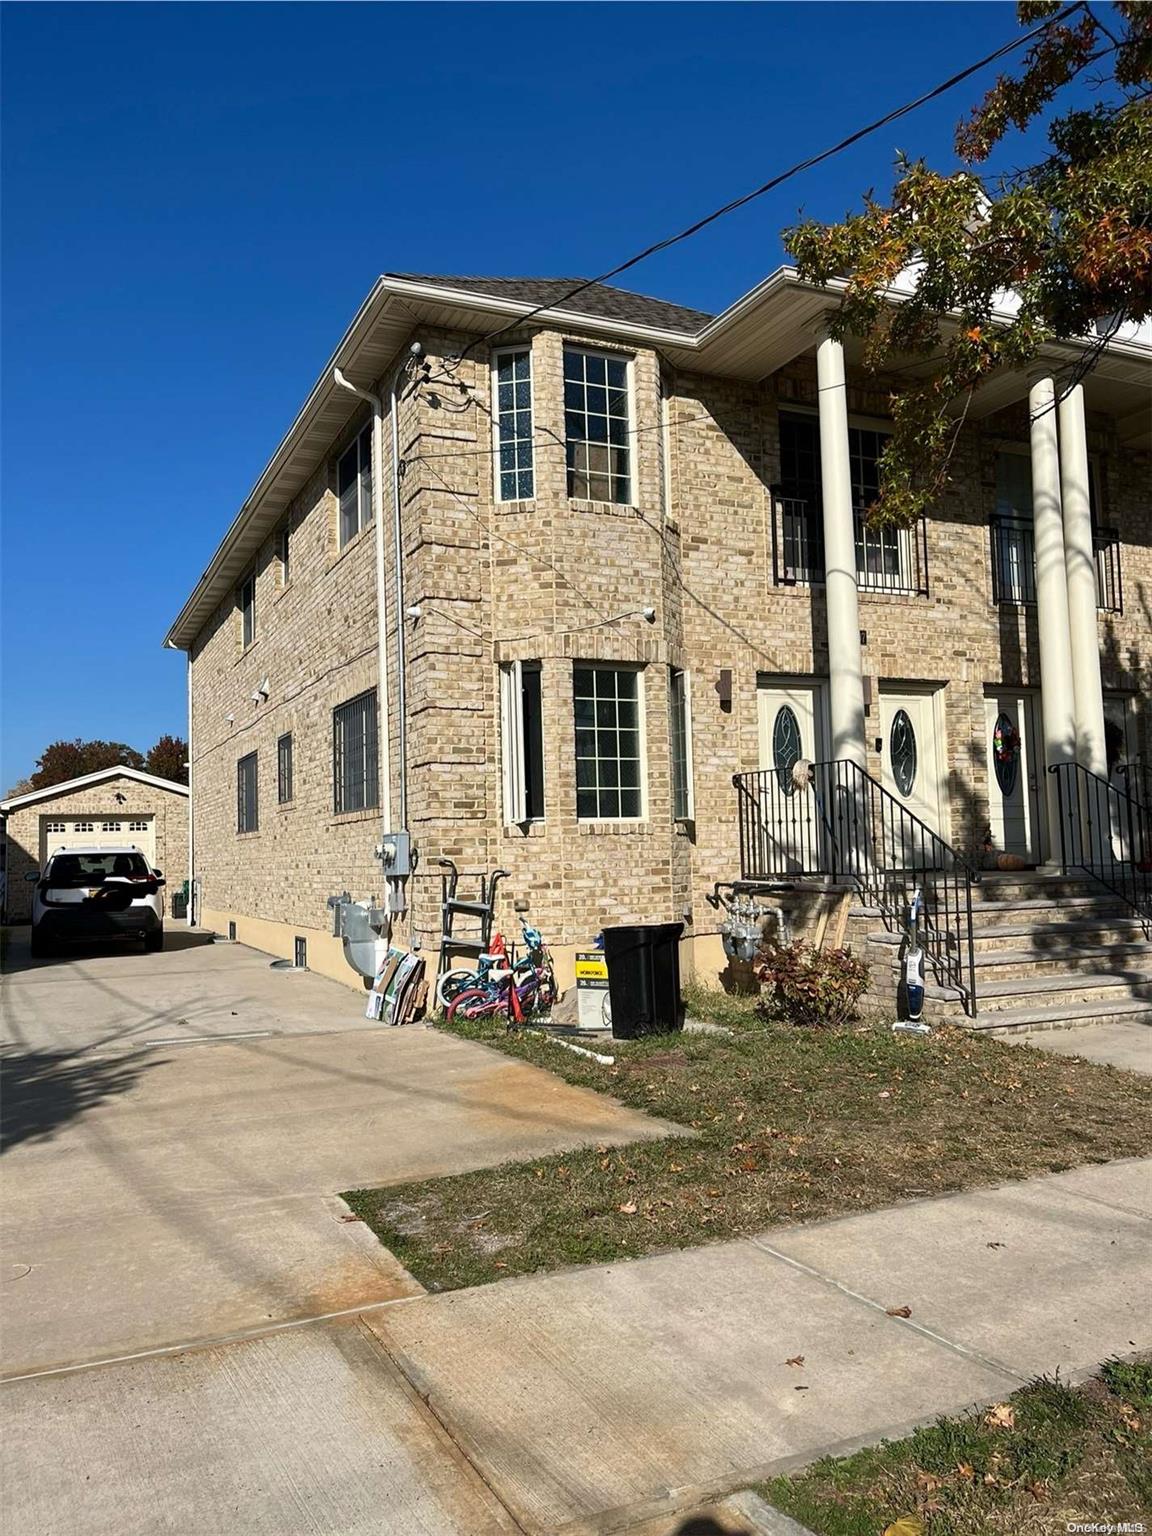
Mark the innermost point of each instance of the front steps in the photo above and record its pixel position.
(1051, 952)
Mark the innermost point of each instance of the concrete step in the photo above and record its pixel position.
(1087, 932)
(997, 885)
(1103, 988)
(1012, 1021)
(1010, 964)
(1046, 909)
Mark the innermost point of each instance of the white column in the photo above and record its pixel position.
(1057, 696)
(1080, 560)
(845, 672)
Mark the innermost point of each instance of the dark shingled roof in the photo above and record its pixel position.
(599, 300)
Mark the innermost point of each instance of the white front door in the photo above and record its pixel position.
(910, 753)
(792, 725)
(1015, 765)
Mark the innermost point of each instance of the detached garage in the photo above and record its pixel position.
(114, 808)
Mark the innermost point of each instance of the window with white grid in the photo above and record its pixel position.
(137, 826)
(110, 826)
(512, 384)
(56, 826)
(596, 426)
(609, 773)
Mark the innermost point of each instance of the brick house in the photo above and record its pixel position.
(114, 807)
(632, 566)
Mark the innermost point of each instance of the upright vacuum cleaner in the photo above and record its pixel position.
(913, 973)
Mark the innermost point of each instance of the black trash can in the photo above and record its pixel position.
(644, 979)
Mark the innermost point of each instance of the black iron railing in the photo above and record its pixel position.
(1137, 783)
(1014, 564)
(845, 825)
(887, 559)
(1013, 560)
(1107, 835)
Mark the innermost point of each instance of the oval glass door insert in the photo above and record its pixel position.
(787, 748)
(902, 751)
(1005, 752)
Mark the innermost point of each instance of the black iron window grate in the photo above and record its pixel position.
(247, 804)
(355, 773)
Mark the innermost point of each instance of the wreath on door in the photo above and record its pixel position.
(1005, 740)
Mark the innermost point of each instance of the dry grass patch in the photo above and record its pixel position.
(781, 1125)
(1048, 1459)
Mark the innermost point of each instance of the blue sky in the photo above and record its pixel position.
(197, 197)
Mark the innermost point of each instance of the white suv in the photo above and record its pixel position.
(97, 893)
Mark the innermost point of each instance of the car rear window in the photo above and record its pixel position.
(71, 869)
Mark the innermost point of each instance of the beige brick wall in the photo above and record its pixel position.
(540, 580)
(98, 802)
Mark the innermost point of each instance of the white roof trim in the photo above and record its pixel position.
(704, 349)
(68, 785)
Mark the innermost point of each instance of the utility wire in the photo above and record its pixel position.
(776, 181)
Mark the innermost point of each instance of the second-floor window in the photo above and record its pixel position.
(284, 787)
(246, 602)
(284, 552)
(1013, 554)
(512, 380)
(354, 486)
(886, 558)
(596, 426)
(355, 774)
(247, 806)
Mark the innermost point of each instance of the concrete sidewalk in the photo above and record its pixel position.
(597, 1396)
(609, 1399)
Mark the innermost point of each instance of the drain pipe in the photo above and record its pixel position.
(191, 913)
(381, 599)
(395, 847)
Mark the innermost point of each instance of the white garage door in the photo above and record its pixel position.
(109, 831)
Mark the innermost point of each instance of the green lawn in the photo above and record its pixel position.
(1049, 1456)
(780, 1125)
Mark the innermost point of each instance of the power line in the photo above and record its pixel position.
(776, 181)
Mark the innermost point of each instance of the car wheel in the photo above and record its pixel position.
(38, 946)
(154, 940)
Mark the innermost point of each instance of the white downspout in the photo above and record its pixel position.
(190, 915)
(381, 596)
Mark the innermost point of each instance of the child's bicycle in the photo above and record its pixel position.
(500, 985)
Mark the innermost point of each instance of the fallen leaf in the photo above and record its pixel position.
(907, 1525)
(629, 1209)
(800, 1389)
(899, 1311)
(1002, 1416)
(884, 1095)
(795, 1360)
(965, 1469)
(995, 1245)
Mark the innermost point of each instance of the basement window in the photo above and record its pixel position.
(512, 386)
(522, 741)
(247, 810)
(354, 487)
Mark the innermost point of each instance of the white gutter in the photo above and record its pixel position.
(381, 596)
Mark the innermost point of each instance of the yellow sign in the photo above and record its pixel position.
(591, 967)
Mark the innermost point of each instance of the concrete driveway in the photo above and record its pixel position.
(176, 1127)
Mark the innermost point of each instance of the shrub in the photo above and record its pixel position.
(815, 987)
